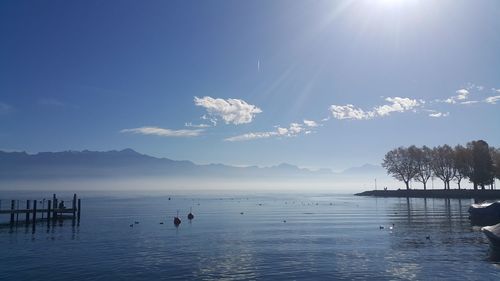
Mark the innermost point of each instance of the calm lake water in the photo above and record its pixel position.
(325, 236)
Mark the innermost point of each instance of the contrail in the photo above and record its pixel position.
(258, 65)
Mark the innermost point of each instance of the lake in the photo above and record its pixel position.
(281, 236)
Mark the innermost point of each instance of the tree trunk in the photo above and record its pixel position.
(482, 186)
(425, 185)
(475, 186)
(407, 185)
(459, 183)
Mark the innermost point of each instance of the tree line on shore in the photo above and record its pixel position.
(476, 161)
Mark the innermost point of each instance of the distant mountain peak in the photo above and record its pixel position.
(363, 169)
(129, 151)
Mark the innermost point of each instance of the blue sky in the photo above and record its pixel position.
(313, 83)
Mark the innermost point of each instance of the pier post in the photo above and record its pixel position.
(34, 215)
(17, 213)
(27, 212)
(49, 205)
(54, 215)
(74, 205)
(79, 208)
(12, 206)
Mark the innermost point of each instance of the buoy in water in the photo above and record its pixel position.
(177, 220)
(190, 215)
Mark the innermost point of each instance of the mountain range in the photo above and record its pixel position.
(129, 163)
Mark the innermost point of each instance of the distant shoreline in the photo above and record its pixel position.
(461, 194)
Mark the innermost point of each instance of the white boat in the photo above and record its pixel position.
(493, 234)
(487, 213)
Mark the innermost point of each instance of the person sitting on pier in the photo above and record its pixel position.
(61, 205)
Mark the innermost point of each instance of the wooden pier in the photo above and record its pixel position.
(51, 212)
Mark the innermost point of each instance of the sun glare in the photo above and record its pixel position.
(390, 2)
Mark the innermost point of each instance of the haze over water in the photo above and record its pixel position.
(325, 236)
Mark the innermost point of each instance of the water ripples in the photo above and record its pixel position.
(324, 237)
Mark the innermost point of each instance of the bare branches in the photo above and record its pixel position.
(401, 165)
(477, 161)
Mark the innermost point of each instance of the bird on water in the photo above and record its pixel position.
(177, 220)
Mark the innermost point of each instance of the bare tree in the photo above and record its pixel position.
(463, 163)
(423, 159)
(401, 165)
(443, 164)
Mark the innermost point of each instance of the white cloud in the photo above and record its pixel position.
(293, 130)
(349, 112)
(282, 131)
(252, 136)
(397, 104)
(210, 119)
(439, 114)
(310, 123)
(462, 95)
(5, 108)
(163, 132)
(189, 124)
(232, 111)
(492, 99)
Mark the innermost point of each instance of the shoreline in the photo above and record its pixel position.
(418, 193)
